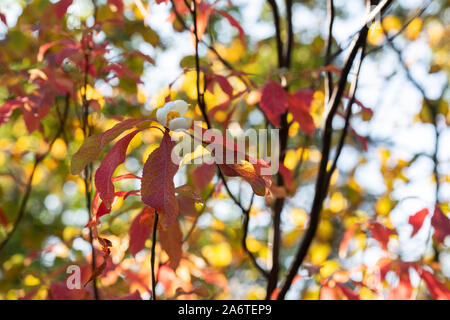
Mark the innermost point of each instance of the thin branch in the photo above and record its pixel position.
(284, 60)
(245, 225)
(87, 176)
(290, 32)
(276, 18)
(347, 115)
(328, 59)
(152, 258)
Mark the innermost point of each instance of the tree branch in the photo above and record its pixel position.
(322, 179)
(328, 59)
(152, 258)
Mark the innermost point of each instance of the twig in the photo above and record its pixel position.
(347, 116)
(284, 54)
(276, 18)
(328, 59)
(245, 224)
(87, 176)
(152, 259)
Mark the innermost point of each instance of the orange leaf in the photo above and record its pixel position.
(343, 247)
(140, 230)
(171, 241)
(274, 101)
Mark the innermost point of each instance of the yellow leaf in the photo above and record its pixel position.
(391, 22)
(328, 268)
(59, 149)
(31, 281)
(319, 253)
(413, 29)
(376, 34)
(219, 255)
(256, 293)
(312, 293)
(337, 202)
(291, 159)
(384, 205)
(253, 245)
(325, 230)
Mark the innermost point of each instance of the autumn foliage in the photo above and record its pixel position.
(88, 178)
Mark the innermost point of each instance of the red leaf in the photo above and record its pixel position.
(224, 84)
(417, 219)
(69, 49)
(187, 206)
(247, 171)
(61, 8)
(3, 19)
(359, 103)
(140, 232)
(234, 23)
(102, 210)
(274, 101)
(437, 289)
(299, 106)
(112, 160)
(189, 192)
(3, 220)
(8, 107)
(202, 175)
(60, 291)
(171, 240)
(118, 4)
(380, 233)
(157, 188)
(361, 139)
(441, 224)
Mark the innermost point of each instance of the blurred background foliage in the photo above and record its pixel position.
(128, 60)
